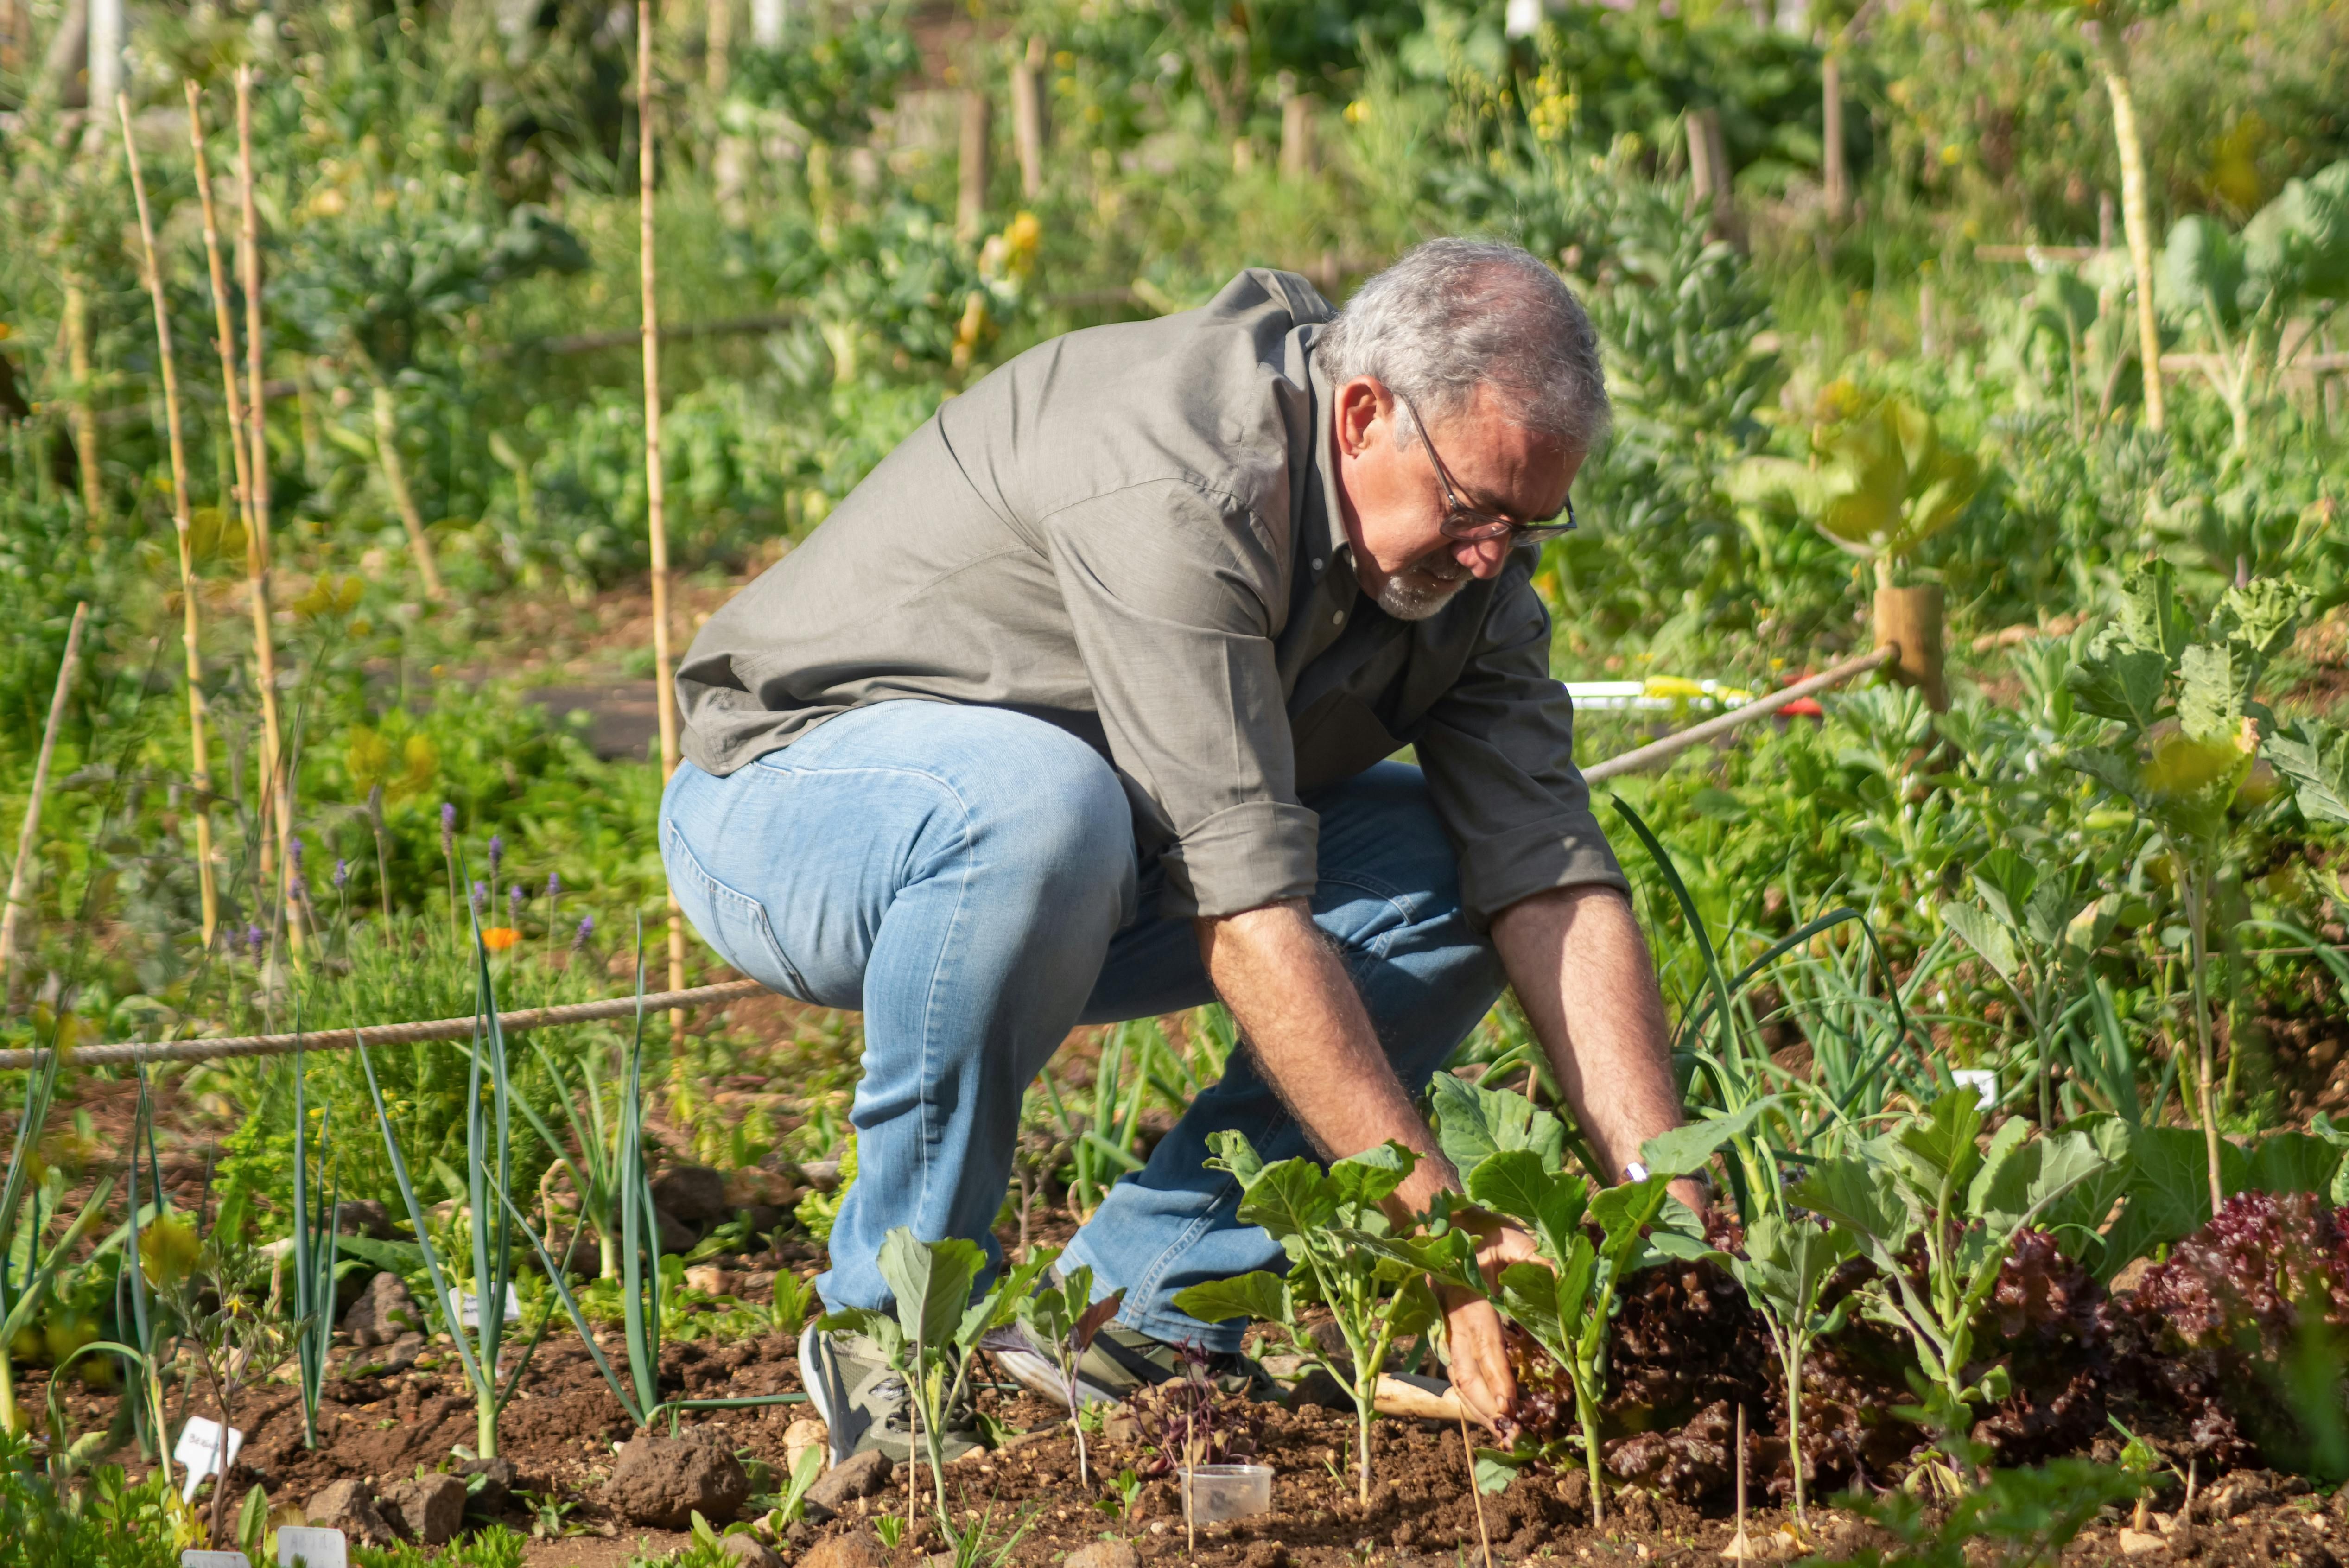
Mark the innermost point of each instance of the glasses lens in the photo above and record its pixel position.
(1475, 528)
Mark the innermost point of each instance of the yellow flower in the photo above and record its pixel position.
(168, 1250)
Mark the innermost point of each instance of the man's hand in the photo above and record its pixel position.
(1479, 1351)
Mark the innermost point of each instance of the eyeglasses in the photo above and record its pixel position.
(1465, 522)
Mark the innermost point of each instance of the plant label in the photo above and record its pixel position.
(193, 1558)
(469, 1308)
(304, 1548)
(206, 1448)
(1983, 1081)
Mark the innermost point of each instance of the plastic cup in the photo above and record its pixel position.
(1213, 1493)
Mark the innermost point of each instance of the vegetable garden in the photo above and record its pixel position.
(2009, 994)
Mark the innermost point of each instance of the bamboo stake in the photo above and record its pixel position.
(656, 492)
(256, 564)
(2135, 219)
(200, 772)
(1475, 1494)
(85, 413)
(20, 874)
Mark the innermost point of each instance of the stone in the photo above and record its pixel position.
(400, 1353)
(696, 1195)
(749, 1552)
(711, 1279)
(858, 1548)
(363, 1217)
(858, 1475)
(429, 1509)
(2138, 1542)
(497, 1482)
(346, 1505)
(664, 1481)
(1105, 1555)
(1318, 1388)
(675, 1234)
(801, 1436)
(384, 1312)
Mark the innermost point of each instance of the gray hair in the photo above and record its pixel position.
(1455, 314)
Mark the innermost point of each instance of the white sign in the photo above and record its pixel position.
(206, 1450)
(469, 1308)
(302, 1548)
(192, 1558)
(1983, 1081)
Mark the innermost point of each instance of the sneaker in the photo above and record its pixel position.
(864, 1404)
(1119, 1363)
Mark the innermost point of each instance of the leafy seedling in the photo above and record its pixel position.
(1062, 1319)
(1787, 1263)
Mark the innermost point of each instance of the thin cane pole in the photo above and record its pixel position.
(200, 773)
(256, 561)
(655, 494)
(21, 873)
(277, 791)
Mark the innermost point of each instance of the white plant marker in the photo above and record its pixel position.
(469, 1308)
(206, 1449)
(304, 1548)
(192, 1558)
(1983, 1081)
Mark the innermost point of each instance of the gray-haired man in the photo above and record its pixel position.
(1077, 711)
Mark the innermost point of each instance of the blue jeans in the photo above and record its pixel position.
(967, 877)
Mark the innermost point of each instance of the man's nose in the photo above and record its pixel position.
(1483, 557)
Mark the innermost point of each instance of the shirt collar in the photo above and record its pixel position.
(1325, 519)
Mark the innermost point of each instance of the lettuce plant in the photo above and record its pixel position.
(1926, 1189)
(1344, 1254)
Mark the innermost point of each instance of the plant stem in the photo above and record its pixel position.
(2193, 877)
(2134, 216)
(395, 479)
(8, 1392)
(1792, 1361)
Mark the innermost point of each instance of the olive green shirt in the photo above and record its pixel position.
(1133, 533)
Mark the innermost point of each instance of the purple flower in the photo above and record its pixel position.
(254, 940)
(513, 902)
(481, 897)
(294, 854)
(586, 930)
(554, 885)
(447, 829)
(497, 853)
(342, 875)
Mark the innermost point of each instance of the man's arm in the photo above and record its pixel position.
(1299, 1010)
(1581, 972)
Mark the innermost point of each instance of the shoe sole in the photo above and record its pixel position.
(816, 1376)
(1037, 1373)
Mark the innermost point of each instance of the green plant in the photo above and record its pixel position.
(2186, 731)
(1344, 1254)
(1061, 1318)
(313, 1259)
(107, 1522)
(31, 1200)
(2015, 1519)
(2038, 931)
(1786, 1262)
(1926, 1186)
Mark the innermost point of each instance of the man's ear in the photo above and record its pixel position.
(1359, 407)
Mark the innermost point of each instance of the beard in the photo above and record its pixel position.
(1423, 587)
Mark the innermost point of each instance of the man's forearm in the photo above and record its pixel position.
(1299, 1010)
(1582, 974)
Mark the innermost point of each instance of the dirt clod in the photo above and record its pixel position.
(1266, 1554)
(666, 1481)
(498, 1480)
(859, 1475)
(749, 1552)
(345, 1505)
(858, 1548)
(695, 1195)
(383, 1313)
(1105, 1555)
(428, 1509)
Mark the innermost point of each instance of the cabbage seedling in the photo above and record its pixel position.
(1787, 1262)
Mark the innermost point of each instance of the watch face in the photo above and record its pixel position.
(1635, 1170)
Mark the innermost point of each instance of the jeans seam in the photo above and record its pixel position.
(1392, 897)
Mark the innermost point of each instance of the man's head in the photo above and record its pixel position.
(1501, 366)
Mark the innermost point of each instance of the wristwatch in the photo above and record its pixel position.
(1634, 1170)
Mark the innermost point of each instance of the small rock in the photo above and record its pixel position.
(363, 1217)
(1122, 1428)
(696, 1195)
(2138, 1542)
(401, 1354)
(859, 1475)
(384, 1312)
(664, 1481)
(801, 1436)
(749, 1550)
(497, 1482)
(711, 1279)
(345, 1505)
(676, 1235)
(1117, 1554)
(749, 1186)
(428, 1509)
(1266, 1554)
(858, 1548)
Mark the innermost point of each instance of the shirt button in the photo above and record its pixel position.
(1317, 563)
(1338, 619)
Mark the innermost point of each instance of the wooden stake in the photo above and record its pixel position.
(2135, 219)
(1741, 1546)
(85, 412)
(1911, 620)
(20, 874)
(1301, 153)
(1028, 122)
(1475, 1494)
(200, 772)
(656, 492)
(970, 191)
(248, 463)
(1834, 174)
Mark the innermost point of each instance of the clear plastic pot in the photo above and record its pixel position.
(1213, 1493)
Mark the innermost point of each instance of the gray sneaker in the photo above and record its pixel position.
(1119, 1363)
(864, 1404)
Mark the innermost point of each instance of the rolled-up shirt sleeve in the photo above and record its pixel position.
(1498, 754)
(1167, 587)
